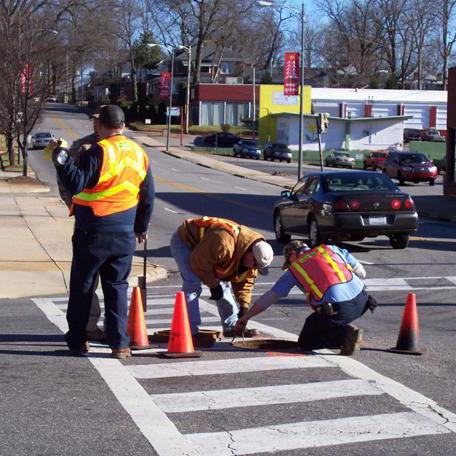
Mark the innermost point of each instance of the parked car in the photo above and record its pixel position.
(247, 148)
(277, 151)
(375, 160)
(221, 139)
(410, 166)
(345, 206)
(431, 134)
(340, 159)
(42, 139)
(52, 99)
(412, 134)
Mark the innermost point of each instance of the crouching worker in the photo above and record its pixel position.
(226, 257)
(331, 280)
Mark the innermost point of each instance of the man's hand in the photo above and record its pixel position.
(141, 237)
(217, 292)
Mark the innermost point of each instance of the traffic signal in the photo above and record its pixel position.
(324, 122)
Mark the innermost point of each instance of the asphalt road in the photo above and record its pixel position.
(115, 412)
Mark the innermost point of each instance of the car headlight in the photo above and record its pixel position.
(406, 168)
(433, 169)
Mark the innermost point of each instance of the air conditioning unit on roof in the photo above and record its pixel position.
(233, 80)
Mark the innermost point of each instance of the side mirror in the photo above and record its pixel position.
(285, 194)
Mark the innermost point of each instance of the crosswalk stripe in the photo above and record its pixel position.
(267, 395)
(311, 434)
(226, 366)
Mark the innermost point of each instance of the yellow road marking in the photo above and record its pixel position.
(60, 123)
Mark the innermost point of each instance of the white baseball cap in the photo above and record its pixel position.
(263, 253)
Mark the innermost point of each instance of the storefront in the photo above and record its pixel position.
(449, 186)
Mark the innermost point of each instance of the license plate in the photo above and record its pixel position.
(377, 220)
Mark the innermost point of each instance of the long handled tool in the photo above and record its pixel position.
(142, 280)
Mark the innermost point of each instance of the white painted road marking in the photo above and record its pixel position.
(226, 366)
(167, 209)
(311, 434)
(426, 417)
(266, 395)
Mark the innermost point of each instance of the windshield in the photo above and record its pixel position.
(280, 146)
(413, 158)
(43, 135)
(250, 143)
(341, 154)
(354, 182)
(378, 155)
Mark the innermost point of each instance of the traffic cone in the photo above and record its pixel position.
(136, 327)
(180, 343)
(407, 341)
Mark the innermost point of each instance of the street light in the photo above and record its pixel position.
(301, 16)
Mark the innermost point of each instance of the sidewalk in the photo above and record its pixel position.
(35, 241)
(436, 207)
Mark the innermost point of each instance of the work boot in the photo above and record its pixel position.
(352, 340)
(81, 351)
(97, 335)
(230, 332)
(121, 353)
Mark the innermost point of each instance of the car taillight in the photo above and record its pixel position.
(340, 205)
(396, 204)
(354, 205)
(409, 204)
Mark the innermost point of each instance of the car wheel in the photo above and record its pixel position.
(265, 158)
(399, 241)
(257, 157)
(280, 160)
(400, 178)
(314, 233)
(289, 160)
(279, 231)
(432, 182)
(364, 165)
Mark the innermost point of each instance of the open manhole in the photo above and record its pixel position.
(266, 344)
(204, 338)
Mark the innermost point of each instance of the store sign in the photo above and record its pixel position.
(278, 98)
(165, 84)
(291, 74)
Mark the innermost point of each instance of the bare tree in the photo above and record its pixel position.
(446, 16)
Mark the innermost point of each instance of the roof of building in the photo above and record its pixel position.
(347, 119)
(379, 95)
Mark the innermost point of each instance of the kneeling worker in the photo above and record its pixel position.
(330, 278)
(221, 254)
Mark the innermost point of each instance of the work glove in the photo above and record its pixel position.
(371, 303)
(217, 292)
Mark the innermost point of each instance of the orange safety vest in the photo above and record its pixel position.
(319, 269)
(124, 168)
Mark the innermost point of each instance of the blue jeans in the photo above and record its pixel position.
(191, 286)
(110, 255)
(328, 331)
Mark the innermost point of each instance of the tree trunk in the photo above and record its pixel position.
(10, 148)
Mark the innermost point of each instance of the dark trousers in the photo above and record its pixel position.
(325, 331)
(110, 254)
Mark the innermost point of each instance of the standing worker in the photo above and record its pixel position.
(330, 278)
(77, 148)
(113, 200)
(219, 252)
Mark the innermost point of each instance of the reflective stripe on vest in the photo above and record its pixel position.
(124, 168)
(319, 269)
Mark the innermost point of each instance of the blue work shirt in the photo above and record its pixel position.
(86, 175)
(337, 293)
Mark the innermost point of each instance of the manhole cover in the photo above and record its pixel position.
(266, 344)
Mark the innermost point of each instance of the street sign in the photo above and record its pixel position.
(291, 73)
(175, 112)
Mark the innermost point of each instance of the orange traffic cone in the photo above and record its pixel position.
(407, 341)
(180, 343)
(136, 328)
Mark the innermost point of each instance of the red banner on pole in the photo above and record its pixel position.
(165, 82)
(26, 80)
(291, 74)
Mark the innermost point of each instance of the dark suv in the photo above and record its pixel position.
(410, 166)
(412, 134)
(277, 151)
